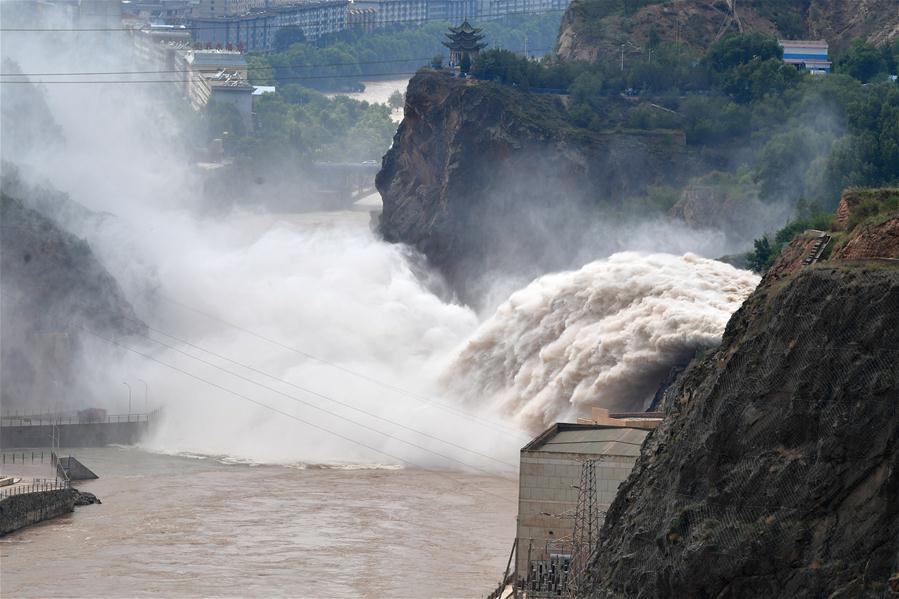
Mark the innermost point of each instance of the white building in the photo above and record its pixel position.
(809, 55)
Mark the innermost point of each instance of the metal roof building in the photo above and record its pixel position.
(808, 55)
(550, 481)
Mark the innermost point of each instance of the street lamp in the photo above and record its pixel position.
(146, 395)
(129, 398)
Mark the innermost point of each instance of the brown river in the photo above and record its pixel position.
(179, 526)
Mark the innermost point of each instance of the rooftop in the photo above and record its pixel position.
(218, 59)
(592, 439)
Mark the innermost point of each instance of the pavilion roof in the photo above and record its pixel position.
(465, 27)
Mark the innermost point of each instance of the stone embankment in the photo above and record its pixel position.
(19, 511)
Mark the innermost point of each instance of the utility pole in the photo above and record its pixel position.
(586, 529)
(622, 57)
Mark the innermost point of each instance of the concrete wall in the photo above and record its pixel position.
(96, 434)
(546, 485)
(19, 511)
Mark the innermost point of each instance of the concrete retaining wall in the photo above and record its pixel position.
(23, 510)
(96, 434)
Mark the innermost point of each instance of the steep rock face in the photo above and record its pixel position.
(482, 177)
(776, 470)
(52, 284)
(593, 29)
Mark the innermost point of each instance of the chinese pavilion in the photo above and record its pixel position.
(463, 40)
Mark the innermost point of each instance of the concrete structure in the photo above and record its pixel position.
(453, 11)
(315, 17)
(35, 432)
(550, 474)
(361, 19)
(211, 62)
(404, 12)
(230, 88)
(495, 9)
(808, 55)
(254, 31)
(19, 511)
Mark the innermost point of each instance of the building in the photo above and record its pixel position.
(254, 31)
(550, 484)
(158, 10)
(403, 12)
(210, 62)
(462, 41)
(496, 9)
(222, 8)
(808, 55)
(454, 11)
(361, 19)
(315, 18)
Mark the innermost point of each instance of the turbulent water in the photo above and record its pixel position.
(604, 335)
(176, 527)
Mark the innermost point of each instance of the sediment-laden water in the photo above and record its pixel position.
(179, 526)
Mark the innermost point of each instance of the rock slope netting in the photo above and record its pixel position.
(484, 178)
(594, 29)
(52, 283)
(776, 470)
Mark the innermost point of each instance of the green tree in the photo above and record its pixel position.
(396, 99)
(762, 256)
(437, 61)
(863, 61)
(735, 50)
(285, 37)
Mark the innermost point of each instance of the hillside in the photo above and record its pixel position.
(52, 284)
(774, 473)
(595, 29)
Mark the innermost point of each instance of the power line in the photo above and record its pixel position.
(248, 68)
(287, 414)
(316, 394)
(128, 81)
(237, 24)
(498, 427)
(277, 79)
(341, 368)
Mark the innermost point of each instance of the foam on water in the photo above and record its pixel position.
(604, 335)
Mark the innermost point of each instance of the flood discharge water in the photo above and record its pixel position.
(308, 346)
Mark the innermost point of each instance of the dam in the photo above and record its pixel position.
(74, 430)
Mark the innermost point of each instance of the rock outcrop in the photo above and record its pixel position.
(776, 470)
(484, 178)
(594, 29)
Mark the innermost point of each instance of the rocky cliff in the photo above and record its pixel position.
(482, 178)
(776, 470)
(51, 284)
(595, 29)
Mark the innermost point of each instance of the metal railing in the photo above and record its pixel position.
(65, 419)
(20, 457)
(34, 487)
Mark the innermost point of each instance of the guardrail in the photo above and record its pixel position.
(59, 420)
(34, 487)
